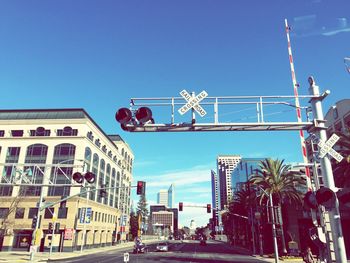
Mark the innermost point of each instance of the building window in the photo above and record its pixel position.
(335, 113)
(36, 154)
(49, 212)
(17, 133)
(62, 153)
(67, 131)
(33, 211)
(4, 212)
(2, 133)
(62, 212)
(40, 131)
(19, 212)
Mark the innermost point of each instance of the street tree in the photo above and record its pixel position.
(142, 208)
(277, 179)
(134, 226)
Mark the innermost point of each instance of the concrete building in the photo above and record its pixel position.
(162, 197)
(225, 166)
(41, 150)
(171, 196)
(159, 208)
(163, 222)
(215, 198)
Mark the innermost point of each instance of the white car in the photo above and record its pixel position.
(162, 247)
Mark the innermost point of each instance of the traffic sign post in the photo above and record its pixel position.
(126, 257)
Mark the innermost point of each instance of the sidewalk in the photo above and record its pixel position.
(23, 256)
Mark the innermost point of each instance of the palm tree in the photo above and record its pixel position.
(277, 179)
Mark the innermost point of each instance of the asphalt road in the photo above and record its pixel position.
(186, 251)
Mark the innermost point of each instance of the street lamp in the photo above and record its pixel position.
(273, 224)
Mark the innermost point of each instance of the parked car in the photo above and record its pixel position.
(162, 247)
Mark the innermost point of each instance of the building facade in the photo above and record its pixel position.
(40, 150)
(225, 166)
(171, 196)
(215, 198)
(160, 208)
(162, 197)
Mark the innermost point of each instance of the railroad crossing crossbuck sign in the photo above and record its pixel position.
(193, 102)
(327, 148)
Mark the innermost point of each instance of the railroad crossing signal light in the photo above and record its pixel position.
(326, 197)
(90, 177)
(141, 188)
(209, 208)
(181, 206)
(123, 115)
(144, 114)
(79, 177)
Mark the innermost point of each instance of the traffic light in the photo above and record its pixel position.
(123, 115)
(34, 222)
(103, 192)
(79, 177)
(310, 200)
(141, 188)
(50, 228)
(144, 114)
(209, 208)
(181, 205)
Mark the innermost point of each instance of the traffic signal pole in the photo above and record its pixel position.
(327, 173)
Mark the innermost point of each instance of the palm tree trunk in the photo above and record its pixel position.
(282, 231)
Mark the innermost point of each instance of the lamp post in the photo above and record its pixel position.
(275, 246)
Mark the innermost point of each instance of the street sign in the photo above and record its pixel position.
(326, 147)
(193, 102)
(126, 257)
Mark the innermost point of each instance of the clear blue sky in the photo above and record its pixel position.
(98, 54)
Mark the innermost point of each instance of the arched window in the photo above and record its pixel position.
(63, 154)
(36, 154)
(101, 178)
(87, 158)
(95, 162)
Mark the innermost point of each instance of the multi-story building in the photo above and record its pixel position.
(171, 196)
(164, 221)
(215, 197)
(40, 150)
(225, 166)
(245, 169)
(162, 197)
(160, 208)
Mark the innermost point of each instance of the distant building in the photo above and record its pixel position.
(193, 227)
(162, 197)
(215, 197)
(163, 220)
(171, 196)
(225, 166)
(245, 169)
(159, 208)
(47, 146)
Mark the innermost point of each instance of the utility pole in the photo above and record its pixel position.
(327, 173)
